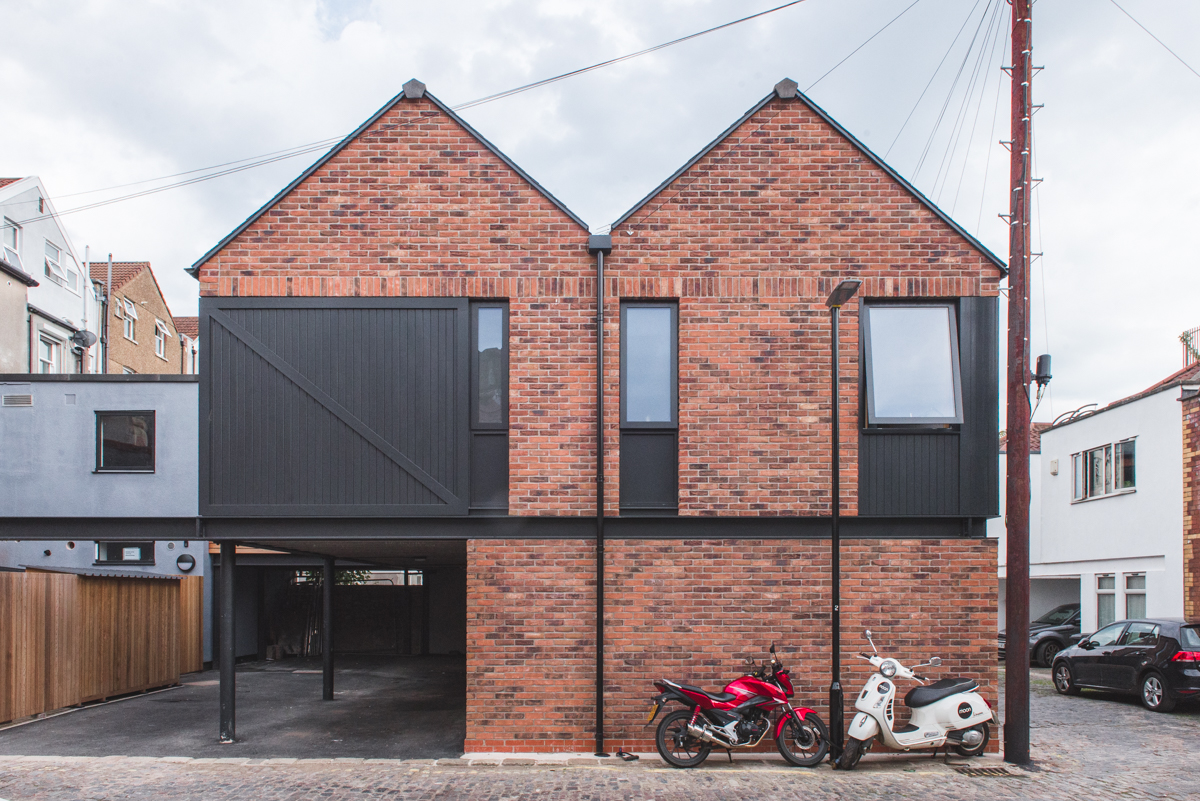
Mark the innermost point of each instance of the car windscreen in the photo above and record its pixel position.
(1057, 616)
(1189, 637)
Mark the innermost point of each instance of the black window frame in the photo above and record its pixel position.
(103, 413)
(476, 306)
(870, 419)
(480, 431)
(673, 305)
(144, 547)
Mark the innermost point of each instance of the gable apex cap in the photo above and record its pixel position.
(414, 89)
(787, 89)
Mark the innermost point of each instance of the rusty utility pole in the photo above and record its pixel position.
(1016, 682)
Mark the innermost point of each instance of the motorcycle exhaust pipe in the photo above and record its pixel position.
(707, 736)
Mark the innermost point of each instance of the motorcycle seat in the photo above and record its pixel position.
(720, 697)
(924, 696)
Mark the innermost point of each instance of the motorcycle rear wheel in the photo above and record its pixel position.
(678, 748)
(803, 743)
(986, 731)
(850, 754)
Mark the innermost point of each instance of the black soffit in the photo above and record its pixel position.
(413, 89)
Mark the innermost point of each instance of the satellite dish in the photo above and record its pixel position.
(84, 339)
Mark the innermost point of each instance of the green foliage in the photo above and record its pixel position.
(339, 576)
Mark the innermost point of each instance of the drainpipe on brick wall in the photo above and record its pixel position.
(600, 245)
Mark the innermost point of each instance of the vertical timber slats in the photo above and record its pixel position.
(66, 639)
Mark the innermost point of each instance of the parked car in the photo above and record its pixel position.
(1157, 659)
(1049, 634)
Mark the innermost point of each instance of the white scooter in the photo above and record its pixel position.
(946, 713)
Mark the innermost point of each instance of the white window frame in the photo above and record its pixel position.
(54, 268)
(130, 317)
(12, 253)
(1132, 592)
(1102, 591)
(161, 335)
(54, 363)
(1110, 454)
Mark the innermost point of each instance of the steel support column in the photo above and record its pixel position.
(227, 655)
(1016, 682)
(327, 581)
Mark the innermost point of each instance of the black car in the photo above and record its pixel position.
(1157, 659)
(1049, 634)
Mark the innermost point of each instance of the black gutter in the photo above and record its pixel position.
(17, 273)
(787, 90)
(52, 318)
(600, 245)
(414, 89)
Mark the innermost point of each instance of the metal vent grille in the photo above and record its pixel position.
(18, 400)
(998, 772)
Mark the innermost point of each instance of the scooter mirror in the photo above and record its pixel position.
(936, 661)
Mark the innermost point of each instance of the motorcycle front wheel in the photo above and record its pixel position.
(678, 748)
(804, 743)
(850, 754)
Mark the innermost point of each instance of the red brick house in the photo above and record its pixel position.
(405, 339)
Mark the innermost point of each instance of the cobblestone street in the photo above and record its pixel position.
(1095, 746)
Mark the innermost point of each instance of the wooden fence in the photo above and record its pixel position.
(66, 639)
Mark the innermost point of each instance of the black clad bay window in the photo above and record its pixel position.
(649, 408)
(912, 365)
(489, 407)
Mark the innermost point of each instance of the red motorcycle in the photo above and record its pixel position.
(738, 717)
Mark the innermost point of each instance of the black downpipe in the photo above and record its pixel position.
(836, 699)
(228, 691)
(600, 245)
(327, 581)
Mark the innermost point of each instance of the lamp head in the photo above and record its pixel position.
(842, 293)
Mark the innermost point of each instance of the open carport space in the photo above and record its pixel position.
(384, 707)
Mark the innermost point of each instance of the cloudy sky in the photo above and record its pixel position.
(99, 94)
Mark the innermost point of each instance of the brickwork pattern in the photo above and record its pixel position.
(138, 354)
(693, 611)
(1191, 508)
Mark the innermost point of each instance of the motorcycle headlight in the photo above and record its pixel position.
(888, 668)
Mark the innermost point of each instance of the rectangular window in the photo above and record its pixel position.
(912, 366)
(49, 355)
(489, 407)
(141, 553)
(10, 237)
(1135, 595)
(125, 442)
(55, 269)
(649, 408)
(161, 335)
(1103, 471)
(1106, 600)
(130, 319)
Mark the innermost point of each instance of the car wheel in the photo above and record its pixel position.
(1047, 651)
(1155, 695)
(1064, 679)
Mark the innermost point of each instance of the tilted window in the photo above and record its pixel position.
(912, 368)
(125, 442)
(10, 243)
(161, 335)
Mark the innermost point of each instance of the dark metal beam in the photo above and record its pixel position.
(327, 581)
(227, 655)
(600, 245)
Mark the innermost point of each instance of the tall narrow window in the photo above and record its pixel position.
(10, 243)
(649, 408)
(49, 354)
(912, 364)
(489, 407)
(1106, 600)
(130, 319)
(1135, 595)
(161, 335)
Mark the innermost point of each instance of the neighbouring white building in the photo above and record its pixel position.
(1106, 509)
(63, 301)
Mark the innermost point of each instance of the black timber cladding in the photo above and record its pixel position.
(951, 471)
(334, 407)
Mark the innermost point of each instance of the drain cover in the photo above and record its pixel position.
(985, 772)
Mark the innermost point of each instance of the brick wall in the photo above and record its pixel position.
(1191, 508)
(138, 354)
(693, 611)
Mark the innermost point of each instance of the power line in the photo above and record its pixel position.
(860, 47)
(991, 138)
(270, 158)
(1155, 38)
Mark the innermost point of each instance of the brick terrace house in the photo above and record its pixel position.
(142, 337)
(401, 359)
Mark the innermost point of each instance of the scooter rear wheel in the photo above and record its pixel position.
(986, 731)
(678, 748)
(804, 743)
(850, 754)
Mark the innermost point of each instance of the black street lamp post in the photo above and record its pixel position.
(840, 295)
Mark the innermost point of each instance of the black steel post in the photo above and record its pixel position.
(327, 582)
(226, 657)
(836, 703)
(600, 245)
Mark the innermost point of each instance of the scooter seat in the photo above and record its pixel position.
(720, 697)
(924, 696)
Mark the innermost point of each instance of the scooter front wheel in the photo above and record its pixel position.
(678, 748)
(804, 743)
(850, 754)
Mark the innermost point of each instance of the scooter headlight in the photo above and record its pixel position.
(888, 668)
